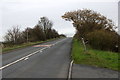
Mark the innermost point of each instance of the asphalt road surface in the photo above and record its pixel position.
(85, 71)
(46, 60)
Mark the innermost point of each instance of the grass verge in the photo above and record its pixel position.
(7, 49)
(98, 58)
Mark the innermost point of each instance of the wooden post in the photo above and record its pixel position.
(84, 44)
(27, 35)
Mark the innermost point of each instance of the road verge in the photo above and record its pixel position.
(98, 58)
(17, 47)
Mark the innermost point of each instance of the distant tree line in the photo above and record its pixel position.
(40, 32)
(95, 28)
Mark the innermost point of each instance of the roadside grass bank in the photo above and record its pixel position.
(98, 58)
(14, 47)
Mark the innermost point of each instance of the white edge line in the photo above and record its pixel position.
(70, 70)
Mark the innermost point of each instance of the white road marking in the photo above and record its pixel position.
(12, 63)
(26, 57)
(41, 51)
(70, 70)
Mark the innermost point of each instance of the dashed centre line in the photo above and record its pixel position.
(27, 57)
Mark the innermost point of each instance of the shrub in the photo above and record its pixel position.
(103, 40)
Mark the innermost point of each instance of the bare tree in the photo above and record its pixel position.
(13, 35)
(42, 31)
(45, 23)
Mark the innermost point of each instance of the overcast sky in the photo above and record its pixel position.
(26, 13)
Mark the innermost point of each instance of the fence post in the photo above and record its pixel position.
(84, 44)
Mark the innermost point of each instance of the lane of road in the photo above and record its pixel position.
(14, 55)
(52, 62)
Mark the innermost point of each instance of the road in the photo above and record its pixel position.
(93, 73)
(50, 61)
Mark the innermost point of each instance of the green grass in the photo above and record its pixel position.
(98, 58)
(7, 49)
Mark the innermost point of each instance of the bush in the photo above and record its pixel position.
(103, 40)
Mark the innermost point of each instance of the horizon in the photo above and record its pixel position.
(27, 13)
